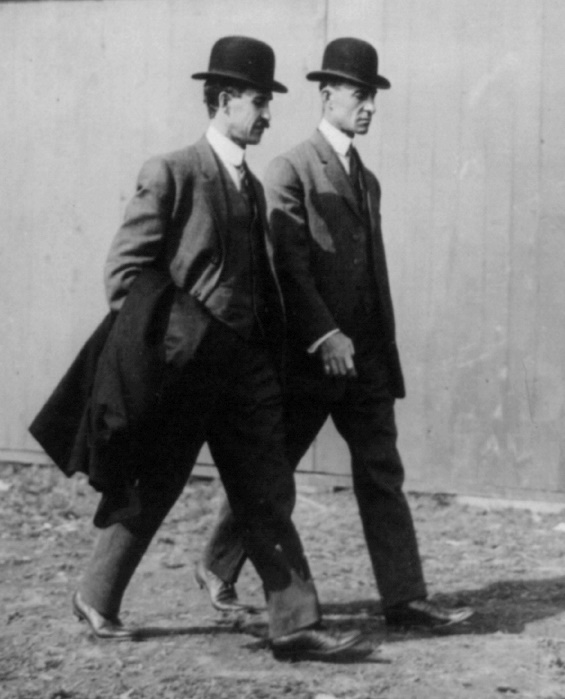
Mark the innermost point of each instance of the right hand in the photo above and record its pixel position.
(336, 353)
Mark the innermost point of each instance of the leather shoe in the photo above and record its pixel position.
(100, 626)
(422, 614)
(222, 594)
(314, 644)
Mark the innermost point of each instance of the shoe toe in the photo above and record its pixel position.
(314, 644)
(422, 614)
(223, 595)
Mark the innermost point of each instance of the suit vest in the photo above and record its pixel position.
(238, 299)
(367, 295)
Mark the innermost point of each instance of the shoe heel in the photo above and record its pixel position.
(283, 657)
(76, 611)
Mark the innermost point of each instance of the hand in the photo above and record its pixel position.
(336, 352)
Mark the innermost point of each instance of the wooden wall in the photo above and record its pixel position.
(469, 148)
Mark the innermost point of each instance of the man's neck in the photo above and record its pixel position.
(224, 130)
(338, 139)
(328, 120)
(225, 147)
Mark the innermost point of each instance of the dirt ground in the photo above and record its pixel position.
(509, 564)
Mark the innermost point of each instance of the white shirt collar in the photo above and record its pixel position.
(339, 141)
(228, 151)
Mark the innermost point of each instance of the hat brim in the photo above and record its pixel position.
(273, 86)
(320, 75)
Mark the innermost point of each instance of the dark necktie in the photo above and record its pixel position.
(245, 185)
(259, 263)
(355, 175)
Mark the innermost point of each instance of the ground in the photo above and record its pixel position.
(509, 564)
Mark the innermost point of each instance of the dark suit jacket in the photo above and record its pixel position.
(317, 225)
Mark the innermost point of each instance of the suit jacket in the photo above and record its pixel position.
(170, 244)
(317, 226)
(178, 220)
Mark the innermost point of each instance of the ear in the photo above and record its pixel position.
(325, 95)
(224, 100)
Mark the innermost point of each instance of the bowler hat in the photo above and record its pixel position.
(246, 60)
(353, 60)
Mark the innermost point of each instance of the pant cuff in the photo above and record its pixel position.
(296, 607)
(402, 597)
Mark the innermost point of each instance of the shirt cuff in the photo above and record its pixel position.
(313, 347)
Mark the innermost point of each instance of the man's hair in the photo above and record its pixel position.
(333, 82)
(338, 82)
(213, 88)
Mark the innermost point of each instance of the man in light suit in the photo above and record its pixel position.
(198, 215)
(343, 362)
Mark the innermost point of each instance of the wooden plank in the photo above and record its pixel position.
(90, 90)
(469, 147)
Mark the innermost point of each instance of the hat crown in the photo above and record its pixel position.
(351, 59)
(242, 58)
(351, 56)
(244, 55)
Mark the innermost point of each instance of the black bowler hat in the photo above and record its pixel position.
(246, 60)
(353, 60)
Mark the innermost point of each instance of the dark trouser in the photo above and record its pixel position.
(228, 396)
(363, 412)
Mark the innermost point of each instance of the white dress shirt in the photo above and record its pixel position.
(339, 141)
(231, 155)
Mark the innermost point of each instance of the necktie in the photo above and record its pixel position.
(355, 175)
(259, 263)
(244, 183)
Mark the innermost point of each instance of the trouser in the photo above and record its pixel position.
(228, 396)
(363, 412)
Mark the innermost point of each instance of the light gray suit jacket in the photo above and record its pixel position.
(178, 221)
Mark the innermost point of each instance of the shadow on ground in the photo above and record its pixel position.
(507, 606)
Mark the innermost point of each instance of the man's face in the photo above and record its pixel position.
(248, 116)
(349, 107)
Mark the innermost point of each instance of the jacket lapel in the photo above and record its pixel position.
(212, 183)
(373, 199)
(335, 172)
(261, 206)
(259, 195)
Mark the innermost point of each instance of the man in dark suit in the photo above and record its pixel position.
(199, 215)
(342, 356)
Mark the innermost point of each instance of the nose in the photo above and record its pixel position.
(369, 105)
(266, 113)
